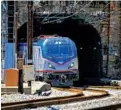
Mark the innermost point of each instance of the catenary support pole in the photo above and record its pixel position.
(15, 31)
(30, 33)
(30, 30)
(108, 35)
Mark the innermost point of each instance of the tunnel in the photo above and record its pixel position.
(87, 40)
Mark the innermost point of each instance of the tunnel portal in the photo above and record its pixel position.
(87, 40)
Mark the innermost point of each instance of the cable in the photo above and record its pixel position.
(46, 17)
(59, 13)
(68, 16)
(74, 6)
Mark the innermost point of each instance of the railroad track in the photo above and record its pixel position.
(108, 107)
(106, 87)
(53, 101)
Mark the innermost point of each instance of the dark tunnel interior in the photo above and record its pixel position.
(87, 40)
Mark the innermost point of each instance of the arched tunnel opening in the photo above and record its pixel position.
(88, 44)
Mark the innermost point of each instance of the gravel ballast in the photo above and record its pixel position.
(114, 98)
(84, 105)
(22, 97)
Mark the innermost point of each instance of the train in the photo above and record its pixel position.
(55, 60)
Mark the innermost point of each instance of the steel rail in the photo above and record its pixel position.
(52, 101)
(106, 87)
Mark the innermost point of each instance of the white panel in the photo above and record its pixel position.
(28, 71)
(39, 86)
(37, 58)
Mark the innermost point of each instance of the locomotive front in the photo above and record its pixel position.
(60, 62)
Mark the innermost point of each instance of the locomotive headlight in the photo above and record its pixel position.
(72, 64)
(51, 66)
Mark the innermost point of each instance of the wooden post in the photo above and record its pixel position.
(30, 31)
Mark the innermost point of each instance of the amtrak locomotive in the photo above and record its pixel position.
(55, 61)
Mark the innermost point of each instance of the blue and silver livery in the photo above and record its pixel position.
(55, 61)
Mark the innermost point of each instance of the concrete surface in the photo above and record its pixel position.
(28, 71)
(12, 89)
(39, 87)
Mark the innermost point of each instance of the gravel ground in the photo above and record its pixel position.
(22, 97)
(54, 93)
(113, 99)
(84, 105)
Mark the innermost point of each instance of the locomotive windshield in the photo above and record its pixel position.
(59, 50)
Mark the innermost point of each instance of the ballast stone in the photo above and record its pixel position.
(38, 87)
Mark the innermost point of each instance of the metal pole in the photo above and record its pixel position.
(108, 33)
(15, 31)
(120, 30)
(30, 31)
(115, 26)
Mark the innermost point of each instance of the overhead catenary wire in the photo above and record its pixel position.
(70, 15)
(93, 19)
(45, 19)
(90, 20)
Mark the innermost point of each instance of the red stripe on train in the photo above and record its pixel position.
(56, 70)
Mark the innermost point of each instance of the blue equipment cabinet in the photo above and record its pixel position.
(9, 56)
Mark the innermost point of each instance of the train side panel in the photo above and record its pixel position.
(38, 61)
